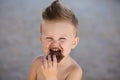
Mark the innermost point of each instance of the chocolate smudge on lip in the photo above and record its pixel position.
(57, 53)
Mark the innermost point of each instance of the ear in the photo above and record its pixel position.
(40, 38)
(75, 42)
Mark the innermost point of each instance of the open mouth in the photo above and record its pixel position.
(57, 53)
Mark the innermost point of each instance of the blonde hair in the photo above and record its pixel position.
(57, 11)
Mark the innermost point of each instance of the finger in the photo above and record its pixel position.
(45, 63)
(49, 61)
(54, 61)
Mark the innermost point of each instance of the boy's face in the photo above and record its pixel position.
(58, 35)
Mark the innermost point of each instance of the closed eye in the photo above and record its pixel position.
(49, 38)
(62, 38)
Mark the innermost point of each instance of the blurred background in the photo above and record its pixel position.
(98, 52)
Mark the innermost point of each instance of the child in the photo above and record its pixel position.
(58, 36)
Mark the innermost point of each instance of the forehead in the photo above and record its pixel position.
(57, 28)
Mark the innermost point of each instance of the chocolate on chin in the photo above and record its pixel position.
(58, 55)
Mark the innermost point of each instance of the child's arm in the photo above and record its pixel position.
(75, 74)
(32, 72)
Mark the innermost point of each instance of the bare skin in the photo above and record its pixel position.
(56, 35)
(70, 71)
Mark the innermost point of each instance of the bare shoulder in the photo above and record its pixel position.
(76, 68)
(37, 60)
(32, 73)
(76, 72)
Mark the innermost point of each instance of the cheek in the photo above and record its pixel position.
(45, 46)
(67, 48)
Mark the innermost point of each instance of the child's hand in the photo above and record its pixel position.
(49, 68)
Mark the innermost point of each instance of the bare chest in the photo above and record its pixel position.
(62, 74)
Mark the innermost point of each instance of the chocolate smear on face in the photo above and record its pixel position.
(57, 53)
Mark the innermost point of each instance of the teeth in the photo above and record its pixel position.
(55, 49)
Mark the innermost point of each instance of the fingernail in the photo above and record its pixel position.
(54, 56)
(44, 59)
(49, 56)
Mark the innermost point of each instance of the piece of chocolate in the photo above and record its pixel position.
(58, 55)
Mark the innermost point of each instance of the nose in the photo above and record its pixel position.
(55, 44)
